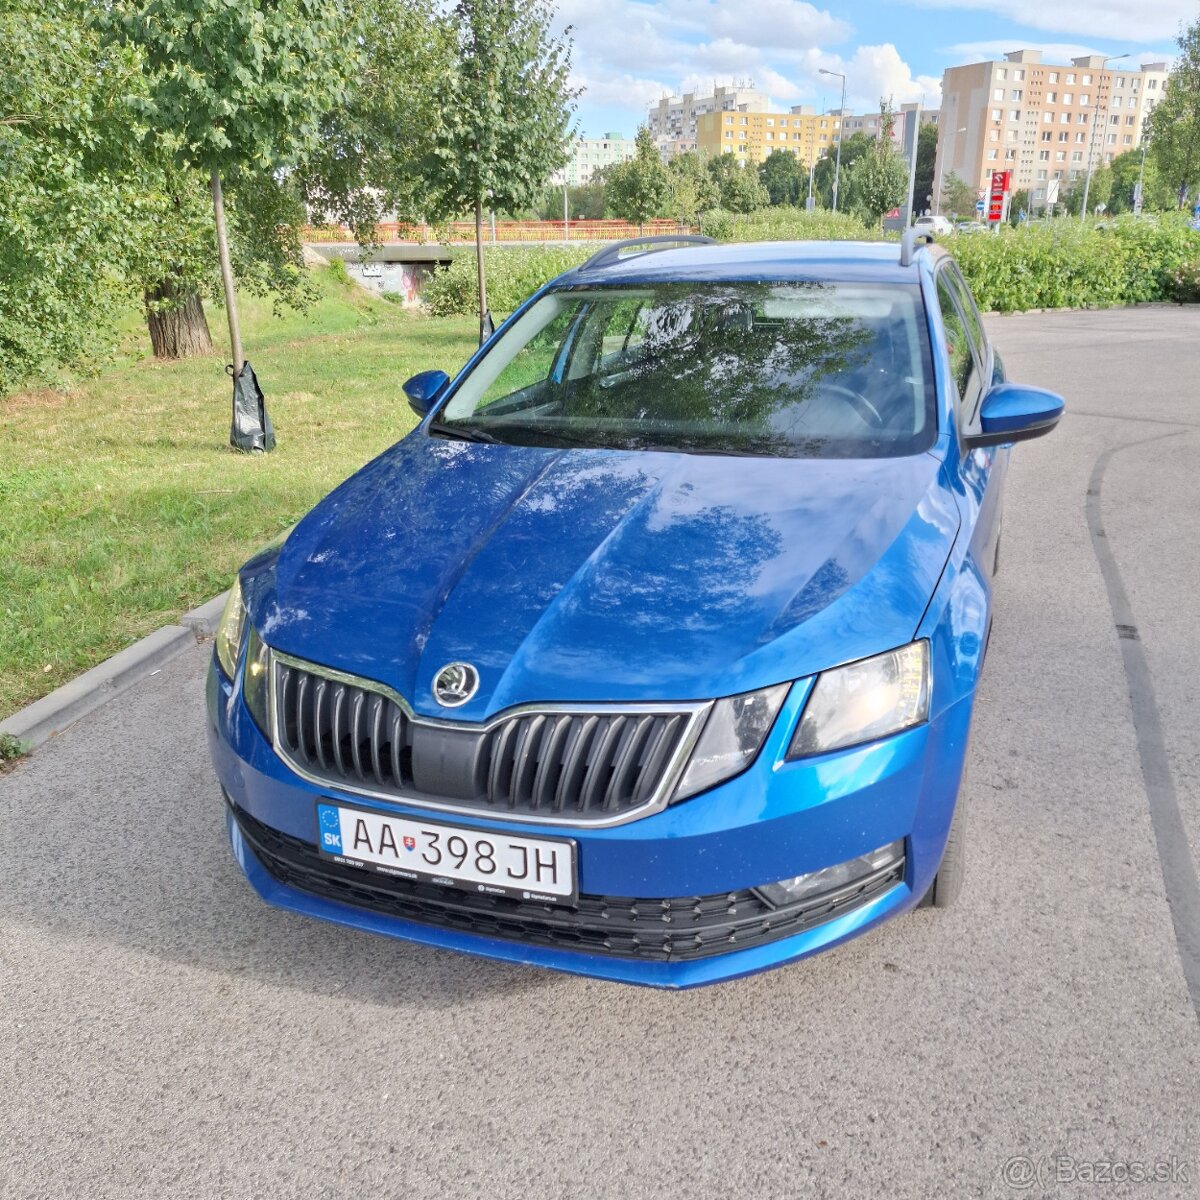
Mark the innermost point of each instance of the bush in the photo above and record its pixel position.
(514, 273)
(337, 269)
(784, 224)
(1041, 264)
(1061, 264)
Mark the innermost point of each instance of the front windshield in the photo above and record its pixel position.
(792, 370)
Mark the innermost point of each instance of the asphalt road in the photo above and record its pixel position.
(164, 1034)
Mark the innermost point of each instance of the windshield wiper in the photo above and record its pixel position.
(463, 433)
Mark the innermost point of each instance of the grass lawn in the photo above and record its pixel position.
(123, 506)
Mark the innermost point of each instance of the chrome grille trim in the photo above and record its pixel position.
(541, 764)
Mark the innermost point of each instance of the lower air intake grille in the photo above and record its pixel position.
(670, 930)
(571, 765)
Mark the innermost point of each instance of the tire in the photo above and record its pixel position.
(948, 881)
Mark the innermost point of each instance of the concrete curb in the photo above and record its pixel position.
(52, 714)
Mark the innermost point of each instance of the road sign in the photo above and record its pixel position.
(997, 193)
(979, 206)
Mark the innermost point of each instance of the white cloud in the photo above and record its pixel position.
(1052, 52)
(1139, 23)
(628, 53)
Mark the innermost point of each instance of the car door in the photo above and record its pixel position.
(973, 367)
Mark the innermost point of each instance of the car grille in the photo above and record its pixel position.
(663, 930)
(581, 766)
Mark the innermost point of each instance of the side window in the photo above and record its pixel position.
(966, 304)
(530, 368)
(964, 366)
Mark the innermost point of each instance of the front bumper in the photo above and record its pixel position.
(777, 820)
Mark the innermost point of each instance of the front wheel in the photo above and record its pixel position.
(947, 883)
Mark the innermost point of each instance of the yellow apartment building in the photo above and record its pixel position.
(752, 136)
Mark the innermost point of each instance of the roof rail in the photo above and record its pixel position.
(909, 240)
(612, 253)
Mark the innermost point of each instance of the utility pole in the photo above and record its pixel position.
(1096, 117)
(837, 169)
(941, 172)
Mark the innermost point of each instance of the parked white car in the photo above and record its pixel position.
(933, 224)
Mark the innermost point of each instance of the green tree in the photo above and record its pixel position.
(233, 90)
(369, 159)
(784, 177)
(958, 197)
(1175, 122)
(639, 189)
(879, 180)
(503, 119)
(855, 147)
(1017, 205)
(1157, 193)
(693, 192)
(927, 139)
(738, 188)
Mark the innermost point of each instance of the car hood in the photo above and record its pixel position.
(596, 575)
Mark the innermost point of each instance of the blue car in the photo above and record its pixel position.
(651, 653)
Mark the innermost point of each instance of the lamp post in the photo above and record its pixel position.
(941, 175)
(1139, 196)
(837, 169)
(1087, 178)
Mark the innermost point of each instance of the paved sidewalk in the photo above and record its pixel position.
(164, 1034)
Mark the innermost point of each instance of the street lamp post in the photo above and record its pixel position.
(941, 175)
(837, 169)
(1087, 178)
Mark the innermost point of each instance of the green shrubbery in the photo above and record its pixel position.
(784, 224)
(1060, 264)
(513, 274)
(1045, 264)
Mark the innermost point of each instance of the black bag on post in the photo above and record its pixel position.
(251, 429)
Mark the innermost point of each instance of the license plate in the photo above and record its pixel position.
(474, 860)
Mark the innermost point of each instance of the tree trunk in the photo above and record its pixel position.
(175, 318)
(235, 335)
(483, 308)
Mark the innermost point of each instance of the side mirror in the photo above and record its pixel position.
(424, 389)
(1012, 413)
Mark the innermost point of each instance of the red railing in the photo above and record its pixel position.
(505, 231)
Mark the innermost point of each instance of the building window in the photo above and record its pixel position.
(1016, 93)
(771, 121)
(1012, 135)
(1047, 118)
(1131, 120)
(770, 136)
(728, 120)
(1068, 97)
(993, 135)
(1010, 154)
(1064, 118)
(1070, 77)
(1120, 81)
(1079, 137)
(993, 154)
(1046, 136)
(1052, 77)
(1039, 193)
(1042, 173)
(1086, 79)
(1001, 73)
(1082, 118)
(741, 120)
(729, 133)
(1018, 76)
(998, 94)
(1044, 155)
(1151, 85)
(997, 114)
(1077, 156)
(1014, 114)
(1060, 156)
(1085, 99)
(1051, 97)
(742, 135)
(1128, 139)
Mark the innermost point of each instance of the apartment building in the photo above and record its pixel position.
(673, 120)
(801, 131)
(751, 136)
(590, 154)
(1046, 123)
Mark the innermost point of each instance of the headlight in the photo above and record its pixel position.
(229, 630)
(732, 737)
(255, 685)
(865, 700)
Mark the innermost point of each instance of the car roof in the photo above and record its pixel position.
(765, 262)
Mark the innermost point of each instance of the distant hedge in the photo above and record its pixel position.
(1043, 264)
(1061, 264)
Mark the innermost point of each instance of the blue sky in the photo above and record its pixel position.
(630, 52)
